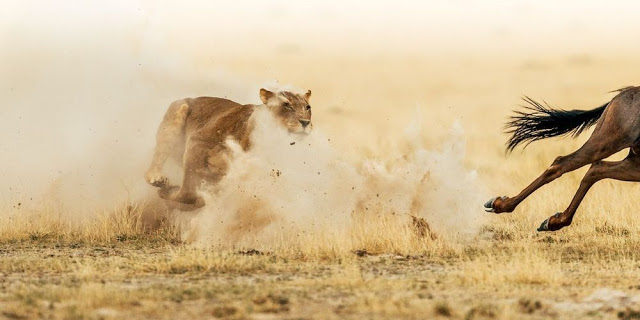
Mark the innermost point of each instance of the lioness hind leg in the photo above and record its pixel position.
(199, 168)
(170, 132)
(177, 201)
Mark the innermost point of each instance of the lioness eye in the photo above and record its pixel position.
(287, 105)
(308, 108)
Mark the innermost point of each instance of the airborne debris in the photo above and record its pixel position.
(313, 198)
(292, 143)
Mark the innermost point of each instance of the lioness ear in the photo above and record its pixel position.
(307, 95)
(265, 95)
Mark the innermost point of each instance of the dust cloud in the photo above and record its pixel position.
(84, 88)
(291, 189)
(82, 100)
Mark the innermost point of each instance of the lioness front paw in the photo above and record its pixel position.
(168, 192)
(156, 179)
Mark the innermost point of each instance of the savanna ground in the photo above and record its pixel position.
(117, 267)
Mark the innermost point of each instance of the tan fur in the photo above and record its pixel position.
(196, 130)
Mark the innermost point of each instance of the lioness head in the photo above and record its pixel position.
(293, 110)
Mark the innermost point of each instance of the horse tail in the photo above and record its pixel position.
(539, 122)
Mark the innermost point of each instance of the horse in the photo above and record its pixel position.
(617, 128)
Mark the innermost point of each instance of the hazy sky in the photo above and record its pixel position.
(484, 26)
(73, 72)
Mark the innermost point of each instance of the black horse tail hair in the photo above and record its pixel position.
(539, 122)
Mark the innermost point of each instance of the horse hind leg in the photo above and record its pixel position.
(602, 144)
(614, 132)
(170, 132)
(625, 170)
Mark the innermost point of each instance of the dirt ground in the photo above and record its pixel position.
(44, 278)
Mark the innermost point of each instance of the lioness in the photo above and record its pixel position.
(196, 131)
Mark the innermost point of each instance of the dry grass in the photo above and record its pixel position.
(115, 268)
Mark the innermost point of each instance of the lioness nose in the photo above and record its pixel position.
(305, 123)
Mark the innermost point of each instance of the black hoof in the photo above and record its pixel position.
(544, 226)
(488, 206)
